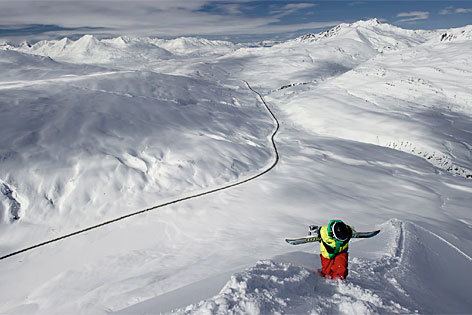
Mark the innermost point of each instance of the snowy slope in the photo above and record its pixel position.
(112, 126)
(406, 277)
(20, 66)
(458, 34)
(311, 59)
(416, 100)
(111, 135)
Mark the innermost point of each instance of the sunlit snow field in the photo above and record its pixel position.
(375, 129)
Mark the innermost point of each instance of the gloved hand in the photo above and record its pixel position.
(314, 230)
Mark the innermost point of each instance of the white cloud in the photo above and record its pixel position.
(463, 10)
(150, 18)
(232, 8)
(298, 6)
(351, 4)
(413, 16)
(229, 8)
(447, 10)
(292, 8)
(452, 10)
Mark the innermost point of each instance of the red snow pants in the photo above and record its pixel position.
(336, 267)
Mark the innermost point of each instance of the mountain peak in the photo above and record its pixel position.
(339, 28)
(374, 34)
(86, 39)
(86, 43)
(365, 23)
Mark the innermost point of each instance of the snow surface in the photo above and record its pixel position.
(388, 284)
(375, 129)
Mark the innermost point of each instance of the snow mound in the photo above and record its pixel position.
(266, 287)
(276, 287)
(409, 269)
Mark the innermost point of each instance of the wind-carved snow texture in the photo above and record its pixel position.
(10, 207)
(439, 160)
(137, 126)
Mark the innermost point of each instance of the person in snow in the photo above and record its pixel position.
(333, 249)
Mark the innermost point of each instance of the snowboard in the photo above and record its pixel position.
(313, 236)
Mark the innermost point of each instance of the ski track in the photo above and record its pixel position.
(457, 249)
(227, 186)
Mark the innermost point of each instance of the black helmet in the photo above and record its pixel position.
(341, 231)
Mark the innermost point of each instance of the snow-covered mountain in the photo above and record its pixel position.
(122, 51)
(380, 36)
(90, 50)
(313, 58)
(375, 125)
(195, 46)
(399, 100)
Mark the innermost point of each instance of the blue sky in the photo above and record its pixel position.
(235, 20)
(438, 14)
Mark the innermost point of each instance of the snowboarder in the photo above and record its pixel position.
(334, 241)
(334, 245)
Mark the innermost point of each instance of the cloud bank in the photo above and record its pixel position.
(452, 10)
(413, 16)
(158, 17)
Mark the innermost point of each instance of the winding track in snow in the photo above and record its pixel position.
(93, 227)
